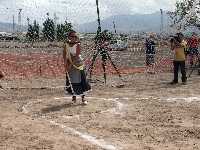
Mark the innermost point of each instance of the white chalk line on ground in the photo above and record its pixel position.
(173, 99)
(186, 99)
(90, 138)
(115, 110)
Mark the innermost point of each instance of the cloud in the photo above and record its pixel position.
(7, 10)
(141, 6)
(118, 7)
(79, 11)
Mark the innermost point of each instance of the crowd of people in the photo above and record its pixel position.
(77, 84)
(182, 48)
(76, 81)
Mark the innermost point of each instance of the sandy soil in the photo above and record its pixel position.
(146, 114)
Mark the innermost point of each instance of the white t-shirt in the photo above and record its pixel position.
(72, 50)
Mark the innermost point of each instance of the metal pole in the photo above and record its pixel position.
(13, 24)
(114, 27)
(99, 21)
(70, 83)
(161, 25)
(19, 19)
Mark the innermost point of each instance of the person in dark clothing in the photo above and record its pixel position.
(150, 51)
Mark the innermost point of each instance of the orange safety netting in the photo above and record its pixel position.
(51, 65)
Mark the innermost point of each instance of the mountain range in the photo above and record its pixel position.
(8, 27)
(129, 23)
(123, 23)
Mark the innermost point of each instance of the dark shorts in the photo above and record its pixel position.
(150, 59)
(78, 88)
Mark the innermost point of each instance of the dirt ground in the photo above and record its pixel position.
(146, 114)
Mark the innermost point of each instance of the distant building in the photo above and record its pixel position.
(5, 36)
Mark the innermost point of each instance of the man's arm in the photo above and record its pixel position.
(66, 61)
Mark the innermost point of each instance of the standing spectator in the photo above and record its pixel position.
(193, 48)
(178, 45)
(150, 51)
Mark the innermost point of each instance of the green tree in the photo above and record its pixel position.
(187, 13)
(62, 30)
(49, 29)
(33, 32)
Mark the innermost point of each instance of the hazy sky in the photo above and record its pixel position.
(78, 11)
